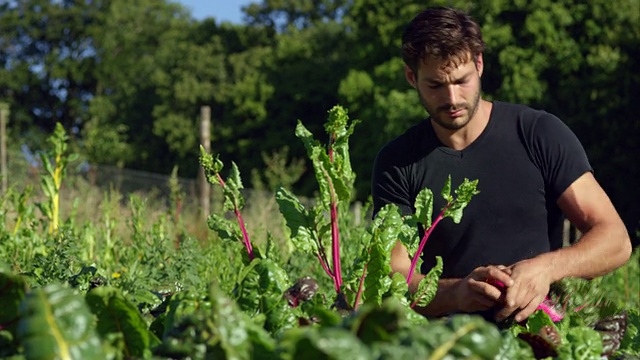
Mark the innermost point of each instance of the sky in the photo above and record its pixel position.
(221, 10)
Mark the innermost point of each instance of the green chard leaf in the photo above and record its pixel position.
(325, 171)
(464, 193)
(338, 127)
(234, 334)
(212, 166)
(446, 190)
(55, 322)
(225, 228)
(424, 208)
(379, 322)
(399, 289)
(582, 343)
(233, 199)
(428, 286)
(13, 289)
(513, 348)
(631, 339)
(299, 221)
(117, 315)
(219, 330)
(464, 336)
(182, 305)
(260, 289)
(330, 343)
(384, 235)
(538, 320)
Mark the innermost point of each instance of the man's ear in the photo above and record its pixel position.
(479, 64)
(410, 76)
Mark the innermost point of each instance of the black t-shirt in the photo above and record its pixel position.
(523, 161)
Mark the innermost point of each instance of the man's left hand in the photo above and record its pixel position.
(531, 283)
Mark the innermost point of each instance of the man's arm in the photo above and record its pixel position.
(603, 247)
(470, 294)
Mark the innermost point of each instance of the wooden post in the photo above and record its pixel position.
(4, 117)
(357, 212)
(205, 141)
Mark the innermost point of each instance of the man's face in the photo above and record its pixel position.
(449, 93)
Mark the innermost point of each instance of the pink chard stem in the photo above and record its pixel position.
(414, 261)
(335, 233)
(245, 235)
(360, 286)
(335, 246)
(324, 265)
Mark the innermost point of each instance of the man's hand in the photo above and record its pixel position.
(482, 289)
(531, 282)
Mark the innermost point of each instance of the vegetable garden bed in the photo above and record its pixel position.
(70, 291)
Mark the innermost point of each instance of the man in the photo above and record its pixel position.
(531, 169)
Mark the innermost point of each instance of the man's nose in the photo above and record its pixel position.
(452, 94)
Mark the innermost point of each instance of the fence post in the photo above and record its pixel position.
(205, 140)
(4, 117)
(357, 212)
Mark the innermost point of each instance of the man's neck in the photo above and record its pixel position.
(461, 138)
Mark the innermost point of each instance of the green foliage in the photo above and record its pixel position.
(233, 200)
(104, 143)
(56, 322)
(13, 289)
(135, 91)
(55, 163)
(119, 318)
(259, 290)
(428, 286)
(278, 172)
(218, 329)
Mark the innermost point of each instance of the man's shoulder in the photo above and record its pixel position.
(527, 119)
(519, 111)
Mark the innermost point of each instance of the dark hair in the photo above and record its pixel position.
(443, 33)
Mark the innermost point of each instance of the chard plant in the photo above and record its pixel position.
(424, 210)
(332, 167)
(55, 163)
(23, 210)
(233, 199)
(373, 283)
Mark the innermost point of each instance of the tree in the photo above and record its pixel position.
(47, 60)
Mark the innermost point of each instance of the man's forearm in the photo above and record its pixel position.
(597, 253)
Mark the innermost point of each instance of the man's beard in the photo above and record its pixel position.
(461, 122)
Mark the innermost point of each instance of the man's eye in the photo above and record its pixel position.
(434, 86)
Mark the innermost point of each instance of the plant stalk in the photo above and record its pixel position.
(245, 235)
(435, 222)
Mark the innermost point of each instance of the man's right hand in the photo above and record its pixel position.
(482, 289)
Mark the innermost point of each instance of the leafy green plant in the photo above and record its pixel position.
(140, 296)
(234, 201)
(453, 209)
(118, 316)
(55, 322)
(55, 163)
(335, 178)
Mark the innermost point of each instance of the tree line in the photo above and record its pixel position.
(127, 79)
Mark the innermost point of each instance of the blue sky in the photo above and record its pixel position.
(221, 10)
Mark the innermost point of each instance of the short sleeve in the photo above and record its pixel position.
(558, 153)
